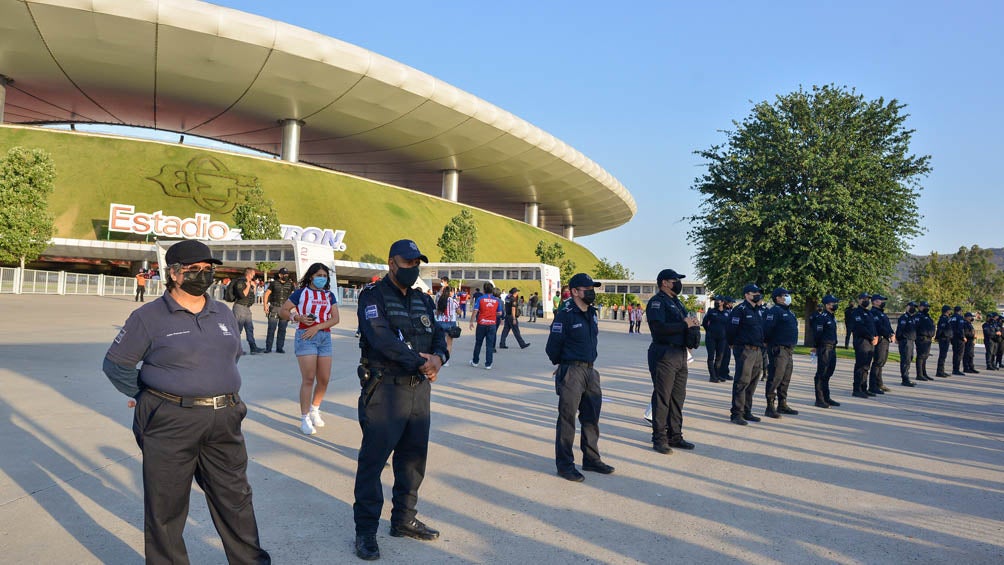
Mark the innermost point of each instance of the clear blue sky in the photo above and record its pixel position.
(638, 86)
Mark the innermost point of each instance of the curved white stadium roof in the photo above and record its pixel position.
(193, 67)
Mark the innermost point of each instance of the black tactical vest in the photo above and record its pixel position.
(413, 320)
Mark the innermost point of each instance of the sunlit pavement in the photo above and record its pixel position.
(914, 476)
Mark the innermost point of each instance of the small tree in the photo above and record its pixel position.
(611, 271)
(554, 254)
(460, 236)
(257, 219)
(26, 181)
(967, 278)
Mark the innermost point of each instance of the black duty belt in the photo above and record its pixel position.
(753, 347)
(788, 347)
(411, 380)
(585, 364)
(216, 402)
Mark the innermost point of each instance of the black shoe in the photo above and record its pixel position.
(770, 412)
(727, 378)
(973, 371)
(267, 350)
(524, 346)
(875, 391)
(738, 420)
(662, 448)
(832, 402)
(860, 394)
(573, 475)
(749, 417)
(925, 378)
(907, 383)
(503, 347)
(822, 404)
(279, 350)
(256, 350)
(413, 529)
(682, 444)
(367, 548)
(870, 393)
(960, 373)
(597, 467)
(785, 409)
(942, 375)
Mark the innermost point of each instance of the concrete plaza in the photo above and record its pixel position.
(914, 476)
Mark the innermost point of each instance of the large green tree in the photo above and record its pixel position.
(815, 191)
(257, 219)
(26, 181)
(554, 254)
(604, 269)
(459, 238)
(968, 278)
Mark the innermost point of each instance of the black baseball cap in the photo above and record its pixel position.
(878, 297)
(968, 315)
(923, 303)
(284, 271)
(830, 299)
(513, 290)
(911, 303)
(580, 280)
(751, 288)
(864, 295)
(667, 274)
(946, 308)
(190, 251)
(779, 291)
(958, 308)
(407, 249)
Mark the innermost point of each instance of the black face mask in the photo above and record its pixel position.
(831, 307)
(406, 276)
(911, 310)
(589, 296)
(863, 303)
(757, 298)
(197, 284)
(676, 287)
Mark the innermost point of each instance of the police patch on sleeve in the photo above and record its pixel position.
(657, 304)
(371, 312)
(735, 321)
(118, 338)
(556, 328)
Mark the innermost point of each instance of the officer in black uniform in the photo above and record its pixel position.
(824, 347)
(403, 350)
(673, 330)
(969, 333)
(188, 412)
(906, 334)
(885, 336)
(1000, 343)
(925, 333)
(865, 339)
(957, 321)
(244, 290)
(848, 325)
(991, 337)
(745, 334)
(571, 345)
(944, 335)
(781, 331)
(714, 338)
(724, 372)
(275, 296)
(511, 320)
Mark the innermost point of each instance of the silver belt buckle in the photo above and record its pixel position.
(219, 402)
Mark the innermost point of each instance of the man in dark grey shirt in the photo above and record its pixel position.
(188, 413)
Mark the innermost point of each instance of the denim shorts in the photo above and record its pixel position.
(319, 345)
(446, 325)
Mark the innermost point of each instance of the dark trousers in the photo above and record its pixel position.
(274, 321)
(245, 324)
(905, 358)
(778, 373)
(749, 365)
(579, 392)
(1000, 353)
(958, 349)
(878, 362)
(864, 352)
(140, 293)
(485, 335)
(990, 352)
(969, 356)
(394, 419)
(826, 363)
(668, 367)
(717, 347)
(181, 443)
(511, 325)
(923, 352)
(723, 368)
(943, 347)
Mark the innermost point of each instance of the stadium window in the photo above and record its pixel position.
(231, 254)
(288, 255)
(622, 289)
(456, 274)
(526, 275)
(245, 254)
(498, 273)
(470, 274)
(635, 289)
(443, 273)
(259, 254)
(648, 289)
(275, 255)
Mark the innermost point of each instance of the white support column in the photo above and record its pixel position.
(531, 213)
(61, 283)
(568, 231)
(290, 150)
(101, 285)
(4, 81)
(451, 184)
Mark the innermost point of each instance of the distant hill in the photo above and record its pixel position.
(903, 268)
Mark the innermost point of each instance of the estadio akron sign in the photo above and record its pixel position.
(124, 218)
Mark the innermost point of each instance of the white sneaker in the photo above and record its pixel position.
(307, 427)
(473, 364)
(447, 364)
(315, 418)
(488, 367)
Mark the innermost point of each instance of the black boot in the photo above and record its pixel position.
(749, 417)
(906, 382)
(785, 409)
(770, 412)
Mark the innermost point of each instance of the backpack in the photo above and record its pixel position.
(230, 293)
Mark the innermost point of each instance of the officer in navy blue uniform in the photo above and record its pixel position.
(883, 329)
(824, 346)
(781, 331)
(745, 335)
(714, 338)
(673, 331)
(944, 336)
(571, 345)
(991, 338)
(969, 332)
(906, 335)
(403, 350)
(925, 333)
(865, 338)
(958, 340)
(724, 371)
(188, 414)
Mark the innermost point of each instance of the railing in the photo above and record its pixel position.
(31, 281)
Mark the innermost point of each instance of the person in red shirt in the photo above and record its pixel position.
(486, 315)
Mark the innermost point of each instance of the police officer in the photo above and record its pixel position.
(244, 290)
(781, 331)
(957, 321)
(944, 335)
(571, 345)
(511, 322)
(673, 330)
(885, 335)
(824, 346)
(714, 338)
(745, 334)
(724, 372)
(402, 353)
(188, 414)
(906, 334)
(865, 338)
(925, 333)
(275, 296)
(969, 333)
(991, 336)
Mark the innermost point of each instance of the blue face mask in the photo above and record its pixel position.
(320, 282)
